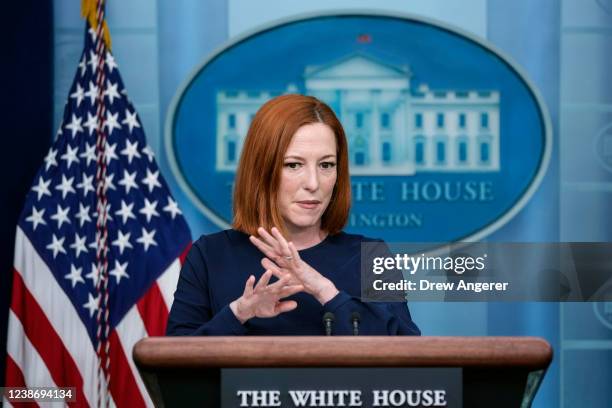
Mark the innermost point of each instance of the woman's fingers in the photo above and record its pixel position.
(290, 290)
(277, 286)
(263, 281)
(276, 270)
(269, 239)
(248, 287)
(282, 241)
(279, 272)
(263, 247)
(275, 247)
(286, 306)
(269, 251)
(294, 253)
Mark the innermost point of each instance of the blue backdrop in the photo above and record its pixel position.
(563, 46)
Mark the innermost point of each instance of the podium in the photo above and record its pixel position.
(487, 371)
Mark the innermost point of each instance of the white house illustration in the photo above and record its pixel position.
(392, 129)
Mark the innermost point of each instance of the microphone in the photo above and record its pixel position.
(355, 319)
(328, 320)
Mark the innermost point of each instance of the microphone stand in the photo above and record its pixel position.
(355, 319)
(328, 320)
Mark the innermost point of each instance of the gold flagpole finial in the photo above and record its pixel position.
(88, 11)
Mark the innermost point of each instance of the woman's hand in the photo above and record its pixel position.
(283, 260)
(263, 300)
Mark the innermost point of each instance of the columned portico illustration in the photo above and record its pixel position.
(392, 127)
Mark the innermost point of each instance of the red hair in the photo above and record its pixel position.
(261, 164)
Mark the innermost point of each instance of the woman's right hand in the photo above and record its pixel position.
(263, 299)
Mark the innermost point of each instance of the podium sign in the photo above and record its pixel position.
(341, 387)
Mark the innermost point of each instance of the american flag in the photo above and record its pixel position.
(58, 293)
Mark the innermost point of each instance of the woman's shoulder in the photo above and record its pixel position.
(217, 246)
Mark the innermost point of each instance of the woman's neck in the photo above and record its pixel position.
(306, 238)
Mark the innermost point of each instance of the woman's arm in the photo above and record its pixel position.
(191, 312)
(381, 318)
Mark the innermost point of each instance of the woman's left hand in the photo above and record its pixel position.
(282, 258)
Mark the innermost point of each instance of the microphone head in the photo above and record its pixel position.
(355, 316)
(328, 317)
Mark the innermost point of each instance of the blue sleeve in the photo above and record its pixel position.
(375, 318)
(191, 313)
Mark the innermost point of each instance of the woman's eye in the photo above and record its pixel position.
(328, 165)
(293, 165)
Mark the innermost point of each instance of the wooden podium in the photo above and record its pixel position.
(495, 371)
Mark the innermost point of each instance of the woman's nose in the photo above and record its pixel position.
(311, 179)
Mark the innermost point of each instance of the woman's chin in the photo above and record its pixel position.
(303, 222)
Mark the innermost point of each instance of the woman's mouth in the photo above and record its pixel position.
(308, 204)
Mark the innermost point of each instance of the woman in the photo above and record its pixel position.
(291, 201)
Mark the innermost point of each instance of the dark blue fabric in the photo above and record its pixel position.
(219, 264)
(26, 114)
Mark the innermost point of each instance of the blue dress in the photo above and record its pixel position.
(218, 265)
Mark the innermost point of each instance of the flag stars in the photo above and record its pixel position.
(86, 184)
(128, 181)
(89, 154)
(148, 152)
(83, 214)
(91, 124)
(119, 271)
(130, 150)
(126, 211)
(79, 94)
(57, 246)
(111, 122)
(111, 91)
(79, 244)
(172, 208)
(70, 156)
(65, 186)
(51, 159)
(36, 218)
(147, 239)
(94, 61)
(110, 62)
(93, 34)
(151, 180)
(109, 152)
(130, 120)
(94, 275)
(42, 188)
(149, 209)
(92, 304)
(61, 216)
(75, 125)
(122, 241)
(93, 245)
(75, 275)
(83, 65)
(92, 93)
(108, 182)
